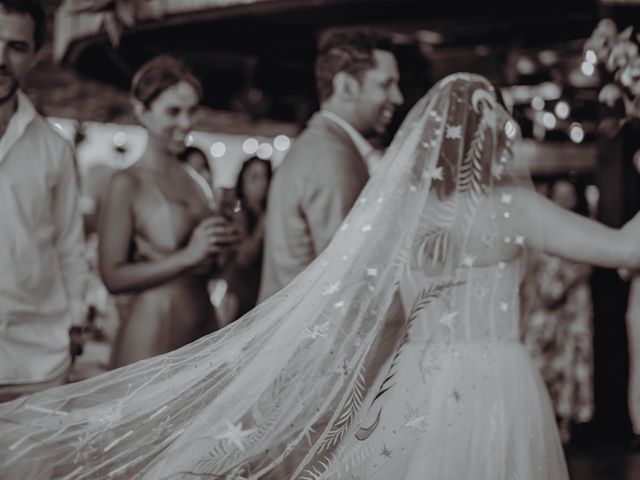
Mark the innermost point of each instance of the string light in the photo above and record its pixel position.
(265, 150)
(537, 103)
(282, 143)
(562, 110)
(576, 133)
(250, 146)
(587, 69)
(549, 120)
(218, 149)
(120, 139)
(591, 57)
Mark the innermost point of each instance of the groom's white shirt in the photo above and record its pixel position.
(364, 147)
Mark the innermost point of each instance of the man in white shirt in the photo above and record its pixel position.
(42, 263)
(327, 167)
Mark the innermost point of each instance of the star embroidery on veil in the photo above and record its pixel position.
(506, 198)
(454, 132)
(447, 320)
(497, 170)
(339, 304)
(235, 434)
(343, 368)
(413, 188)
(504, 306)
(83, 447)
(344, 226)
(163, 428)
(415, 421)
(519, 240)
(468, 261)
(432, 173)
(386, 452)
(380, 200)
(316, 331)
(362, 201)
(367, 228)
(372, 272)
(332, 288)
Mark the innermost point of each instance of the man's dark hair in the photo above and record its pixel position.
(34, 9)
(347, 50)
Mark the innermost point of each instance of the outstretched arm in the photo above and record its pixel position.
(557, 231)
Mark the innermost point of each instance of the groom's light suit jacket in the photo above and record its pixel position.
(310, 195)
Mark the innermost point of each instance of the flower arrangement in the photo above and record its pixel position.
(618, 56)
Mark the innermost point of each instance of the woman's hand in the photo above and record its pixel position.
(213, 235)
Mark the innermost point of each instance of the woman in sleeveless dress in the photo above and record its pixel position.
(395, 354)
(159, 234)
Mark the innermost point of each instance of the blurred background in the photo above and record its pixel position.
(577, 108)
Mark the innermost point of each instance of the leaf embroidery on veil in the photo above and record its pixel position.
(424, 298)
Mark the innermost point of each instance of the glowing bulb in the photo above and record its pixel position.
(510, 129)
(562, 110)
(549, 120)
(119, 139)
(265, 150)
(282, 143)
(591, 57)
(250, 146)
(218, 149)
(537, 103)
(576, 133)
(587, 69)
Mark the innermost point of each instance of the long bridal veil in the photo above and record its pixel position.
(284, 386)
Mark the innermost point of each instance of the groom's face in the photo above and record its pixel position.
(379, 95)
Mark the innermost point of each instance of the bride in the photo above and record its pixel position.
(394, 355)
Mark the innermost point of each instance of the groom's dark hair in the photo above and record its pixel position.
(348, 50)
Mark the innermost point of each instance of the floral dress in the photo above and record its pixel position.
(557, 330)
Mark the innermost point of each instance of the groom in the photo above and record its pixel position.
(325, 170)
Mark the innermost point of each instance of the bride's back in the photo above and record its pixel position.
(475, 268)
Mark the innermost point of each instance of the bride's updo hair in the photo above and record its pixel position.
(159, 74)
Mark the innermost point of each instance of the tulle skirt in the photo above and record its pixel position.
(475, 411)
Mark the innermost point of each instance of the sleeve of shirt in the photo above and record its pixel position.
(326, 206)
(69, 235)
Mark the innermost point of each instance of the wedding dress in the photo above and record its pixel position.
(394, 355)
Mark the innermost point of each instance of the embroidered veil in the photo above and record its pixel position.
(283, 388)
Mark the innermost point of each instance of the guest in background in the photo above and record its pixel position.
(251, 190)
(196, 159)
(42, 264)
(160, 239)
(557, 322)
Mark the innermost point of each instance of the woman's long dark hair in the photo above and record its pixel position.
(252, 219)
